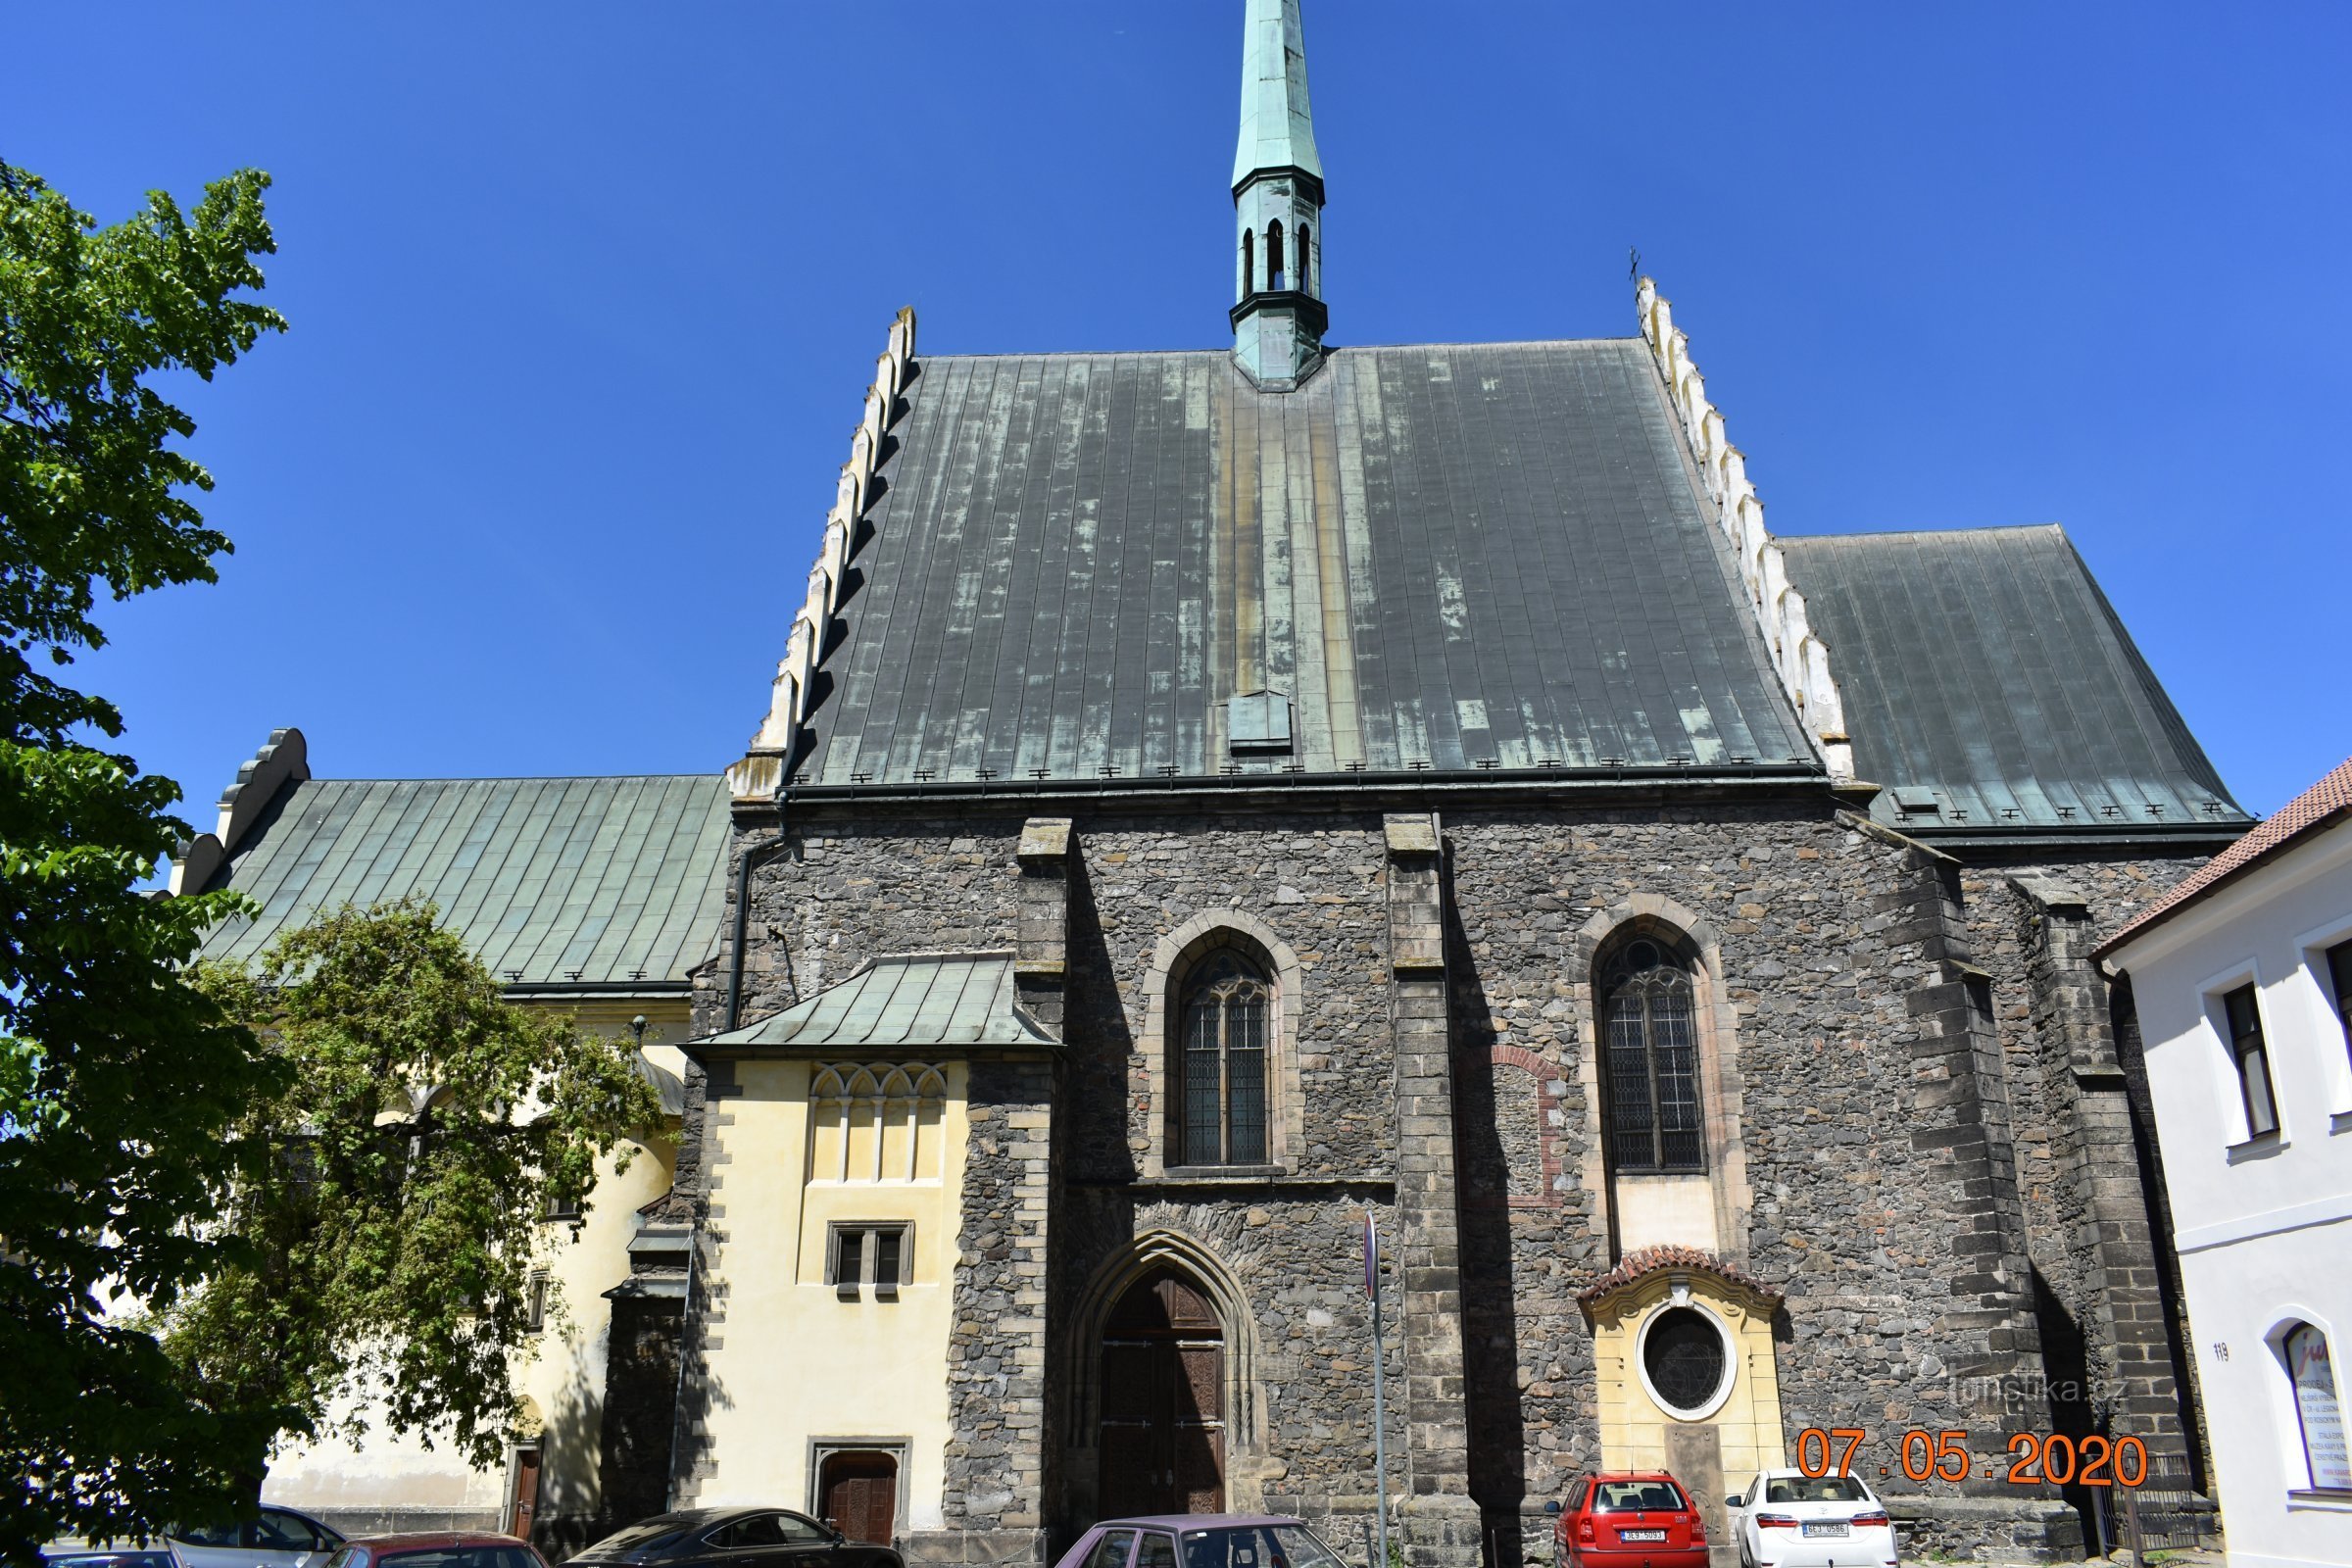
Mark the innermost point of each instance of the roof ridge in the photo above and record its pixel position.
(1963, 529)
(1226, 353)
(522, 778)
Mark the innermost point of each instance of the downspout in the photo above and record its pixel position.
(757, 855)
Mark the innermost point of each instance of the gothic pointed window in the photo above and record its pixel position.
(1248, 263)
(1228, 1009)
(1306, 236)
(1274, 255)
(1651, 1057)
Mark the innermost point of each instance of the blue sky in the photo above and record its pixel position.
(585, 299)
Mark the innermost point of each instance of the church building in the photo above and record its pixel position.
(1212, 798)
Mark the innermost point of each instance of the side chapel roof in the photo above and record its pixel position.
(1991, 687)
(616, 883)
(908, 999)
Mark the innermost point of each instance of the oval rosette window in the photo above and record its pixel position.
(1685, 1361)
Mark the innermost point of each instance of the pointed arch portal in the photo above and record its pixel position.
(1161, 1437)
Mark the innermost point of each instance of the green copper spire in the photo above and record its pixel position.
(1277, 127)
(1278, 316)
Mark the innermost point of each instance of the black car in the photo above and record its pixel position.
(735, 1537)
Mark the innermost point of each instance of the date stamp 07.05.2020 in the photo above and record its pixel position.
(2035, 1459)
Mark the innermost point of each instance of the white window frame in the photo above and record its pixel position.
(2315, 988)
(2221, 1052)
(1682, 1296)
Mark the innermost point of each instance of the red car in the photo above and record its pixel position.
(438, 1549)
(1630, 1519)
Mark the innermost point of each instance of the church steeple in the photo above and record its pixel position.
(1278, 315)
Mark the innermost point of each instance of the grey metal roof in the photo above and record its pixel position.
(550, 880)
(1438, 555)
(917, 999)
(1988, 682)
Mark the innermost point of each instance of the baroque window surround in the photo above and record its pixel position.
(1684, 932)
(1172, 960)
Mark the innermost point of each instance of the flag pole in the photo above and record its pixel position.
(1380, 1425)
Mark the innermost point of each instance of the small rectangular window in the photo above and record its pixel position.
(862, 1254)
(2252, 1060)
(2340, 981)
(534, 1307)
(562, 1207)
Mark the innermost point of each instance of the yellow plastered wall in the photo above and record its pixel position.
(1634, 1425)
(795, 1365)
(562, 1371)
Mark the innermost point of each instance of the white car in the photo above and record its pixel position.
(279, 1537)
(1787, 1519)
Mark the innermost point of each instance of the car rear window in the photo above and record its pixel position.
(649, 1533)
(1819, 1489)
(1630, 1496)
(463, 1557)
(1254, 1546)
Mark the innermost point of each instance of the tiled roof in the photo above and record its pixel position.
(914, 998)
(549, 880)
(2324, 803)
(1645, 1261)
(1436, 557)
(1991, 687)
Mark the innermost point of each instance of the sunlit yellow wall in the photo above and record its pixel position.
(383, 1480)
(1634, 1426)
(795, 1365)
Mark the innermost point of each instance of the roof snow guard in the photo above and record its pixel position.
(1643, 1262)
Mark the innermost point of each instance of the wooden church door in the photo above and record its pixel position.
(1162, 1441)
(860, 1496)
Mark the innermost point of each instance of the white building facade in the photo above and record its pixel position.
(2242, 982)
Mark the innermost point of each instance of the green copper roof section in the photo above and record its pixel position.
(610, 881)
(1278, 126)
(914, 998)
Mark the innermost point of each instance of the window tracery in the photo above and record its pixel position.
(1227, 1007)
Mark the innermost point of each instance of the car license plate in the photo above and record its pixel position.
(1640, 1534)
(1840, 1529)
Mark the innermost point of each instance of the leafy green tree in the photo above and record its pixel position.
(117, 1081)
(424, 1125)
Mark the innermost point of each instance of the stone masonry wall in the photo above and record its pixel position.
(2094, 1233)
(1870, 1092)
(995, 1496)
(1879, 1192)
